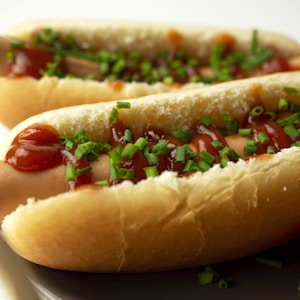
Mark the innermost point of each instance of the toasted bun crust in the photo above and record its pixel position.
(27, 96)
(166, 222)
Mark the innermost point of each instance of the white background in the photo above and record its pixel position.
(274, 15)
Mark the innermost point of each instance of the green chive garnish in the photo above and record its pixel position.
(245, 131)
(251, 146)
(291, 131)
(121, 104)
(270, 150)
(129, 151)
(151, 171)
(283, 104)
(127, 135)
(291, 89)
(183, 136)
(140, 143)
(257, 111)
(206, 120)
(114, 115)
(263, 138)
(269, 262)
(180, 154)
(207, 157)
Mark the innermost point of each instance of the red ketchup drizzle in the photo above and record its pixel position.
(36, 148)
(28, 61)
(275, 64)
(203, 137)
(277, 137)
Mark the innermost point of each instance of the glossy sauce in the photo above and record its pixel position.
(277, 137)
(38, 147)
(28, 61)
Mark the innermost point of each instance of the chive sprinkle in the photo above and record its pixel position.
(122, 104)
(263, 138)
(283, 104)
(257, 111)
(250, 147)
(245, 131)
(291, 89)
(151, 171)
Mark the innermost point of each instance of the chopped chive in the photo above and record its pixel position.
(205, 120)
(168, 80)
(127, 135)
(205, 278)
(115, 155)
(245, 131)
(151, 171)
(231, 125)
(129, 151)
(217, 145)
(191, 166)
(270, 150)
(162, 148)
(263, 138)
(180, 154)
(127, 174)
(183, 136)
(102, 182)
(113, 170)
(122, 104)
(223, 284)
(151, 157)
(269, 262)
(83, 170)
(257, 111)
(234, 155)
(270, 115)
(70, 172)
(250, 147)
(206, 156)
(224, 161)
(283, 104)
(208, 276)
(203, 165)
(140, 143)
(114, 115)
(10, 55)
(291, 89)
(291, 131)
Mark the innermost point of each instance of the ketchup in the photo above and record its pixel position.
(277, 137)
(29, 61)
(39, 148)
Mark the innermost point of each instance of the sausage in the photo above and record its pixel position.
(36, 185)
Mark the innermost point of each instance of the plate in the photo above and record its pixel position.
(248, 278)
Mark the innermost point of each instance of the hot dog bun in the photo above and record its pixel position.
(27, 96)
(165, 222)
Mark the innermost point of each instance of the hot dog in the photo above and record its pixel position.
(128, 60)
(181, 195)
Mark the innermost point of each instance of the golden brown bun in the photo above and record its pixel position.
(166, 222)
(27, 96)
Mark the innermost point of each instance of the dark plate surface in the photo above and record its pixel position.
(247, 278)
